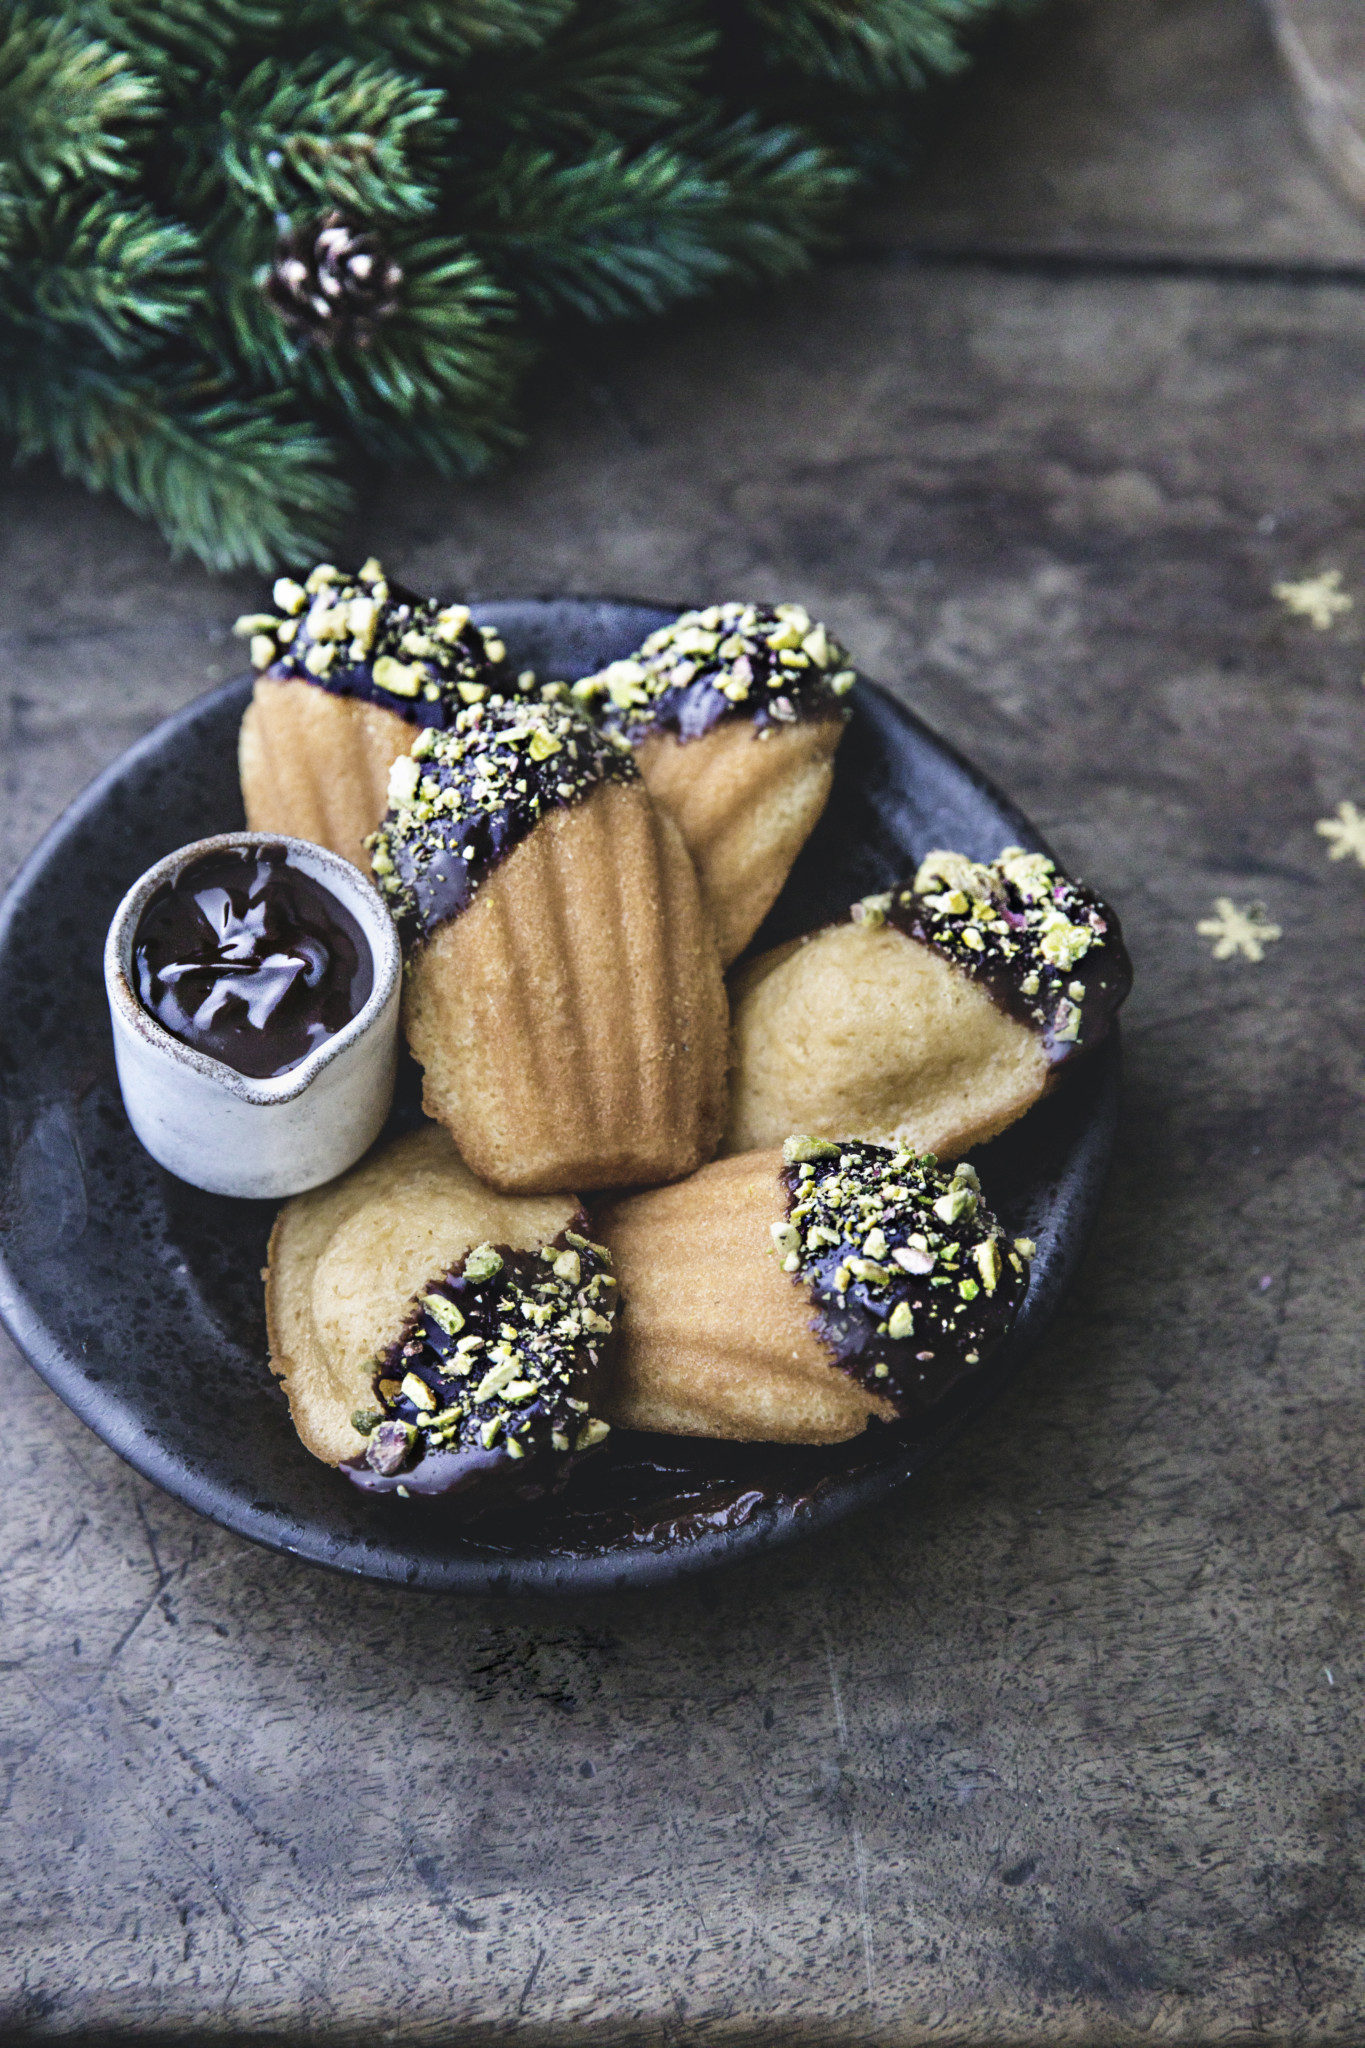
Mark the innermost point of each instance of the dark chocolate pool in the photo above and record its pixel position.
(251, 961)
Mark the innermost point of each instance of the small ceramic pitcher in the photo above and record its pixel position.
(222, 1130)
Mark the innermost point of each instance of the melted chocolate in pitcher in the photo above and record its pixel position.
(251, 961)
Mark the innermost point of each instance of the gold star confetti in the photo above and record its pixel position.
(1319, 599)
(1247, 931)
(1346, 832)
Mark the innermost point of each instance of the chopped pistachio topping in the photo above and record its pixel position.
(444, 1312)
(773, 664)
(908, 1269)
(585, 1244)
(872, 910)
(500, 1352)
(989, 1263)
(362, 636)
(1046, 946)
(957, 1203)
(787, 1238)
(465, 796)
(404, 779)
(798, 1149)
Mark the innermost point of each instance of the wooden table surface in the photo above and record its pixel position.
(1068, 1746)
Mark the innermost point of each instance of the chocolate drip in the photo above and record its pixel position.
(463, 799)
(651, 1493)
(1047, 949)
(487, 1391)
(251, 961)
(367, 637)
(771, 664)
(914, 1280)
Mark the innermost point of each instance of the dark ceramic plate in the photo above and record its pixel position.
(139, 1299)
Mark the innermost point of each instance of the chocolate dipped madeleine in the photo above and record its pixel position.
(563, 994)
(933, 1016)
(353, 668)
(735, 713)
(788, 1296)
(436, 1338)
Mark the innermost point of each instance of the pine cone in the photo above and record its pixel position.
(335, 281)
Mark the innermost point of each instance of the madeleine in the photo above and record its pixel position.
(352, 669)
(735, 714)
(564, 992)
(791, 1296)
(390, 1295)
(933, 1016)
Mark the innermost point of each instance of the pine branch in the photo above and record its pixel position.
(440, 374)
(234, 482)
(115, 271)
(869, 47)
(358, 136)
(69, 106)
(13, 216)
(453, 444)
(878, 139)
(417, 180)
(609, 237)
(619, 233)
(784, 191)
(629, 67)
(445, 36)
(240, 328)
(180, 43)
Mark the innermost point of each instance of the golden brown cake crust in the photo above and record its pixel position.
(863, 1032)
(316, 766)
(346, 1260)
(572, 1021)
(715, 1339)
(745, 798)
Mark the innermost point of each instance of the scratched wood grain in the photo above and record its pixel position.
(1066, 1748)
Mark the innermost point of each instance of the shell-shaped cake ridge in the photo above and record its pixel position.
(692, 700)
(744, 811)
(315, 766)
(572, 1023)
(564, 994)
(714, 1339)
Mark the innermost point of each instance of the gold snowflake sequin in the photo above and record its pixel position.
(1346, 832)
(1319, 599)
(1247, 931)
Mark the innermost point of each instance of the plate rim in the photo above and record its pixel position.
(586, 1573)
